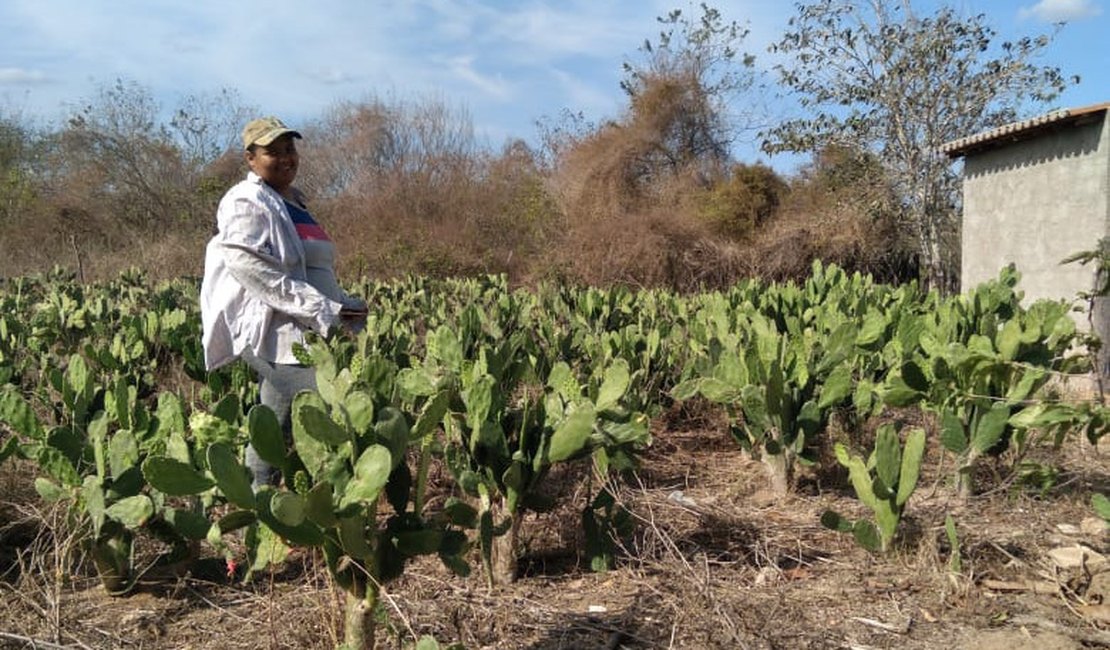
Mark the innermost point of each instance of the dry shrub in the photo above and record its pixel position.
(840, 209)
(631, 195)
(655, 247)
(620, 229)
(379, 236)
(744, 201)
(93, 241)
(114, 191)
(662, 148)
(596, 178)
(403, 188)
(97, 248)
(786, 248)
(494, 218)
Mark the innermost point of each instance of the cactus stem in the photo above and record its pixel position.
(779, 469)
(504, 561)
(358, 619)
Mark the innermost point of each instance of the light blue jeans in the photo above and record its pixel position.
(279, 384)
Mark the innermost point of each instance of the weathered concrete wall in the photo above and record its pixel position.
(1035, 202)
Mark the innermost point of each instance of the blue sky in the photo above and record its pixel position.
(506, 64)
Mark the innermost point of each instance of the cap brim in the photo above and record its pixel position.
(269, 137)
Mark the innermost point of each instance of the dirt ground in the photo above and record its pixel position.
(716, 562)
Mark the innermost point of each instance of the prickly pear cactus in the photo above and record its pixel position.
(884, 483)
(348, 464)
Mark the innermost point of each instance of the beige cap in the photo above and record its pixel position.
(265, 130)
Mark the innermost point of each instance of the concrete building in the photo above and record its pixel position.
(1035, 192)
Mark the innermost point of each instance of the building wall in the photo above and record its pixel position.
(1035, 202)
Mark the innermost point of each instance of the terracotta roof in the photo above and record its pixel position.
(1023, 130)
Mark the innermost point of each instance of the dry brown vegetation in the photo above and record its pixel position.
(648, 199)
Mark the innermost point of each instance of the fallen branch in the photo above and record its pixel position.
(34, 643)
(1034, 586)
(886, 627)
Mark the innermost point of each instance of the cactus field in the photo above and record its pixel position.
(832, 464)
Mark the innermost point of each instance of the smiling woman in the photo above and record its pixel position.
(276, 162)
(269, 277)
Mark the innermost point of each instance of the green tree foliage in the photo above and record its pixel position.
(877, 76)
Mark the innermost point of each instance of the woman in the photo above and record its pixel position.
(269, 277)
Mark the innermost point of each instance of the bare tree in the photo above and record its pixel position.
(361, 148)
(875, 75)
(205, 126)
(118, 154)
(686, 86)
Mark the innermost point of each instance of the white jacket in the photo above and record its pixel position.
(254, 294)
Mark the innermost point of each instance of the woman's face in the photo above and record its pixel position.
(276, 163)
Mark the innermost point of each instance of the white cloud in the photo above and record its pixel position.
(494, 85)
(1054, 11)
(331, 76)
(508, 62)
(585, 95)
(588, 30)
(21, 76)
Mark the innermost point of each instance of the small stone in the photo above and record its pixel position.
(1068, 529)
(680, 498)
(767, 575)
(1093, 526)
(1073, 557)
(1098, 591)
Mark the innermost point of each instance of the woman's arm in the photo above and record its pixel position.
(249, 255)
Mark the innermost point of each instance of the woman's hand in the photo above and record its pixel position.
(353, 316)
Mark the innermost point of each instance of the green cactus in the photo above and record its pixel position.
(94, 462)
(507, 433)
(232, 478)
(954, 562)
(980, 364)
(778, 387)
(267, 439)
(884, 483)
(175, 477)
(1101, 506)
(132, 512)
(352, 445)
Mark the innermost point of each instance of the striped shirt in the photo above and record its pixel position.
(307, 227)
